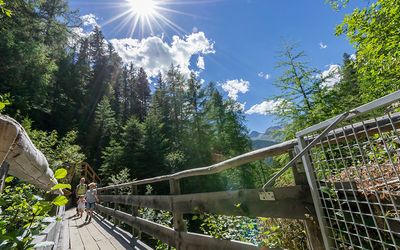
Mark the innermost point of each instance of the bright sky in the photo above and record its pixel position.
(234, 43)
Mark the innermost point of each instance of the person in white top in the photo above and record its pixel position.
(91, 199)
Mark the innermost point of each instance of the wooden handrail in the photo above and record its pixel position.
(292, 202)
(256, 155)
(169, 236)
(335, 136)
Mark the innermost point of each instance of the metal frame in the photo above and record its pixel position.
(381, 102)
(344, 164)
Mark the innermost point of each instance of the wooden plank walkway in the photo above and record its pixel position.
(98, 234)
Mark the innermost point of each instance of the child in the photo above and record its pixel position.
(81, 205)
(80, 190)
(91, 199)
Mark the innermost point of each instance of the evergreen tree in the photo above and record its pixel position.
(106, 124)
(141, 95)
(298, 84)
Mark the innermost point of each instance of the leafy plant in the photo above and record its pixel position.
(4, 99)
(5, 11)
(159, 216)
(230, 227)
(58, 150)
(23, 212)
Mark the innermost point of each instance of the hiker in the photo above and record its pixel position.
(81, 205)
(80, 190)
(91, 199)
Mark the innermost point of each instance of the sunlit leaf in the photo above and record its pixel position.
(9, 179)
(60, 173)
(60, 200)
(61, 186)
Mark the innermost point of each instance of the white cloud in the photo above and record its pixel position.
(236, 86)
(266, 76)
(155, 55)
(322, 45)
(88, 24)
(353, 57)
(266, 107)
(331, 76)
(89, 20)
(200, 62)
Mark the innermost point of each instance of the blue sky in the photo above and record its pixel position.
(239, 40)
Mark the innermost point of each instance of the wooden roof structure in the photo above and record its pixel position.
(25, 161)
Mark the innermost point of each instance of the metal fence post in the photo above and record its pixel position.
(314, 236)
(314, 192)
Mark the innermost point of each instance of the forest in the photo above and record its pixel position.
(79, 102)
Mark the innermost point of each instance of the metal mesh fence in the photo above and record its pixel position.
(356, 169)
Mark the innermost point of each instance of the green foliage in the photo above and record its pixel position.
(229, 227)
(22, 213)
(4, 101)
(4, 11)
(122, 177)
(61, 186)
(337, 4)
(371, 30)
(21, 216)
(60, 173)
(58, 151)
(159, 216)
(283, 233)
(60, 201)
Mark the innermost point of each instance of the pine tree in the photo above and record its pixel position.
(106, 125)
(298, 85)
(142, 95)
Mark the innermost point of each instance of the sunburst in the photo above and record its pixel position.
(137, 17)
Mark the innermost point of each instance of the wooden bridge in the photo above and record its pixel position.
(346, 174)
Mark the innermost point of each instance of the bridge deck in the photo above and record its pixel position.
(98, 234)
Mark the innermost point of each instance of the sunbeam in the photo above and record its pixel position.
(140, 17)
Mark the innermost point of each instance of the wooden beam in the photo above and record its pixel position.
(290, 202)
(256, 155)
(26, 161)
(169, 236)
(3, 174)
(278, 149)
(177, 217)
(135, 212)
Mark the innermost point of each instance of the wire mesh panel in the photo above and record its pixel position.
(355, 172)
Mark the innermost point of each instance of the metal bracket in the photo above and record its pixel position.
(267, 196)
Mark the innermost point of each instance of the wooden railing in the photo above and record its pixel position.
(293, 202)
(19, 157)
(89, 174)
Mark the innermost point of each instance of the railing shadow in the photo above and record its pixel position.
(126, 239)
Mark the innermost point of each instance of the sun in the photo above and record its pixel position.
(143, 8)
(140, 17)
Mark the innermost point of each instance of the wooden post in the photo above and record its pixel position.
(178, 222)
(3, 174)
(116, 222)
(314, 236)
(135, 212)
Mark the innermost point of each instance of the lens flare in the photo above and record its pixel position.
(148, 17)
(143, 8)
